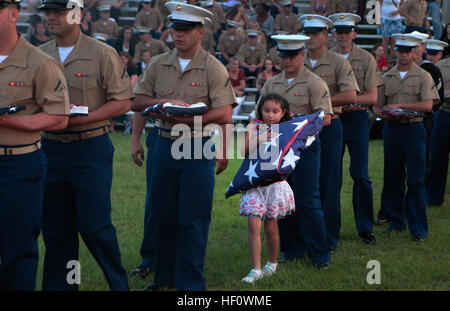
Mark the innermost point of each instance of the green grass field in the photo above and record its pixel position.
(404, 264)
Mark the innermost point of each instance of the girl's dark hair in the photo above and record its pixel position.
(127, 56)
(278, 98)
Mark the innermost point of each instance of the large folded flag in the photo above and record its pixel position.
(168, 109)
(11, 109)
(398, 112)
(275, 159)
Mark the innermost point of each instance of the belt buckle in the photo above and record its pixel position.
(65, 138)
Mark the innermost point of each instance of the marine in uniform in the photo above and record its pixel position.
(286, 20)
(440, 143)
(181, 190)
(405, 86)
(304, 231)
(36, 81)
(343, 6)
(104, 24)
(355, 122)
(414, 11)
(146, 42)
(251, 54)
(230, 42)
(151, 18)
(339, 76)
(435, 50)
(80, 158)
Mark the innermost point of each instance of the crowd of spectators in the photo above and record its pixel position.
(239, 31)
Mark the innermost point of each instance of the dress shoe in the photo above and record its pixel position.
(141, 271)
(368, 238)
(419, 239)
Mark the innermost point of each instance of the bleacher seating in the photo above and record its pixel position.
(366, 38)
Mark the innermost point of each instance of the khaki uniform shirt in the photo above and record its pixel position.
(364, 67)
(337, 73)
(444, 66)
(208, 42)
(163, 10)
(215, 23)
(109, 27)
(343, 6)
(252, 57)
(229, 45)
(306, 94)
(205, 80)
(288, 23)
(416, 9)
(151, 19)
(32, 79)
(417, 85)
(94, 74)
(218, 12)
(155, 47)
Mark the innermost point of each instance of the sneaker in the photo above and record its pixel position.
(331, 250)
(368, 238)
(269, 268)
(255, 274)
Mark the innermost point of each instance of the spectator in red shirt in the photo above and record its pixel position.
(378, 52)
(237, 77)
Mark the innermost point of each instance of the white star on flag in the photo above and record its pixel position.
(299, 125)
(275, 163)
(272, 142)
(251, 173)
(310, 140)
(290, 158)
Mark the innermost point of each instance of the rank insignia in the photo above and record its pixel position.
(18, 84)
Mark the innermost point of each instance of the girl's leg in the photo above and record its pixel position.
(254, 240)
(270, 228)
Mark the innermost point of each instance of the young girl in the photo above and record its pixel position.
(267, 203)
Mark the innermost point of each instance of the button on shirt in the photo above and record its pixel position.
(35, 80)
(204, 80)
(94, 73)
(337, 73)
(417, 85)
(306, 94)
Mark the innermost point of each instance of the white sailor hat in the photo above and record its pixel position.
(142, 29)
(422, 36)
(147, 1)
(315, 23)
(345, 21)
(436, 45)
(405, 42)
(285, 3)
(101, 36)
(207, 3)
(104, 7)
(186, 16)
(289, 45)
(251, 33)
(231, 23)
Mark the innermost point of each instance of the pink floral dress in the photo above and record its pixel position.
(272, 202)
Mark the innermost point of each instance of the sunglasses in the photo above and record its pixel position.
(4, 5)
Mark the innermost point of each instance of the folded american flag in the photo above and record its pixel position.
(168, 109)
(275, 159)
(398, 112)
(11, 109)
